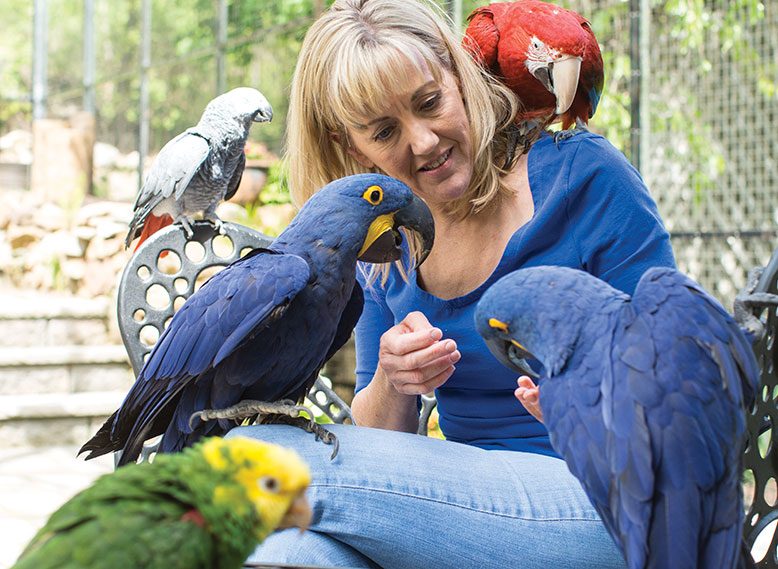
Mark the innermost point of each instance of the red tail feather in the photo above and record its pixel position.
(151, 225)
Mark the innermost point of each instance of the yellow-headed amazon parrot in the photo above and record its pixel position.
(206, 507)
(644, 397)
(263, 327)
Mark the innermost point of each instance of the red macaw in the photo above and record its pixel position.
(546, 54)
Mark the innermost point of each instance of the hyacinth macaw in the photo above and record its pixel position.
(546, 54)
(644, 397)
(262, 328)
(204, 508)
(199, 168)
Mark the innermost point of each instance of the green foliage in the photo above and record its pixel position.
(264, 37)
(276, 188)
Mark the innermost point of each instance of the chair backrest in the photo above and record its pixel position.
(761, 456)
(167, 269)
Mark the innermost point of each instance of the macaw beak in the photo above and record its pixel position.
(264, 114)
(383, 240)
(560, 77)
(508, 351)
(298, 515)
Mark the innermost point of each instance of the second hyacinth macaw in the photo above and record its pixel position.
(644, 397)
(546, 54)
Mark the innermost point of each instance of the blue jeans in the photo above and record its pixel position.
(398, 500)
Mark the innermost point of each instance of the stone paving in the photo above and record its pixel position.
(33, 483)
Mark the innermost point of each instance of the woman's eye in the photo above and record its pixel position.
(431, 103)
(383, 134)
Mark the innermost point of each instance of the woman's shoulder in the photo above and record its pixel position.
(577, 145)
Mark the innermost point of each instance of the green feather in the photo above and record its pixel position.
(133, 517)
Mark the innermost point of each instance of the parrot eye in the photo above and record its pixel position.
(374, 195)
(269, 484)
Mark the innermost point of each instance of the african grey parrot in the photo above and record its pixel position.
(644, 397)
(263, 327)
(201, 167)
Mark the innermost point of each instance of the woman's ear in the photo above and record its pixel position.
(363, 160)
(343, 140)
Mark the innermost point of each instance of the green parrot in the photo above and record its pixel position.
(207, 506)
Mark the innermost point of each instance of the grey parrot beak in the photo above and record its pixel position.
(264, 114)
(511, 354)
(416, 216)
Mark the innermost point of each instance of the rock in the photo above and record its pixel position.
(105, 155)
(89, 212)
(20, 237)
(73, 269)
(51, 217)
(104, 248)
(229, 211)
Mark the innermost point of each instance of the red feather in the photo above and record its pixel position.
(151, 225)
(499, 37)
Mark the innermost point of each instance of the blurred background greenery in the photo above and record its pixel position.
(707, 71)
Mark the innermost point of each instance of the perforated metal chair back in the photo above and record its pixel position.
(761, 456)
(167, 269)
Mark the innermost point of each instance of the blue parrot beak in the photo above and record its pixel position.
(386, 247)
(508, 351)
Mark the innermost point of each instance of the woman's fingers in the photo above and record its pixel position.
(417, 359)
(528, 395)
(413, 356)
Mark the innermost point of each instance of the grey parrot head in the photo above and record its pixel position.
(244, 104)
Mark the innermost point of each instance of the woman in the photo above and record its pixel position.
(384, 85)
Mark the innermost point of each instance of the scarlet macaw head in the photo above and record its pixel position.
(546, 54)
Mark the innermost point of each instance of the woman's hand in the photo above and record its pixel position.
(414, 357)
(528, 395)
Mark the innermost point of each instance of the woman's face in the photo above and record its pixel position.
(421, 136)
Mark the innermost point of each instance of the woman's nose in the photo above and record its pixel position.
(423, 138)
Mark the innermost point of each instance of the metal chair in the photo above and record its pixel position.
(166, 270)
(761, 457)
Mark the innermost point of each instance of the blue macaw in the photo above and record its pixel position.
(644, 397)
(262, 328)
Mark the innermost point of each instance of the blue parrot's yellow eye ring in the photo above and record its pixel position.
(374, 195)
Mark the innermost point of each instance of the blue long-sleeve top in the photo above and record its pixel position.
(592, 212)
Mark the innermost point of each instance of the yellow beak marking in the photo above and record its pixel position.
(502, 326)
(380, 225)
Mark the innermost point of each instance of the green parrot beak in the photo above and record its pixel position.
(508, 351)
(382, 244)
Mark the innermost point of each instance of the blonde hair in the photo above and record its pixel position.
(349, 61)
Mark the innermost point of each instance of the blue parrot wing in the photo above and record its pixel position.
(680, 367)
(348, 320)
(252, 292)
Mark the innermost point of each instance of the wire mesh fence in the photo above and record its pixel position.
(706, 127)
